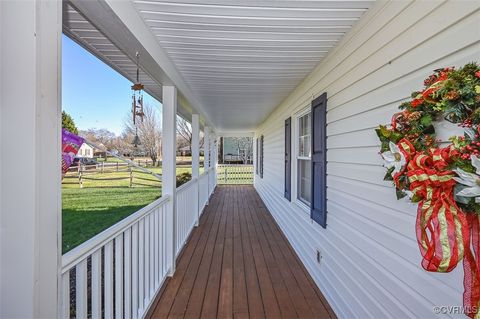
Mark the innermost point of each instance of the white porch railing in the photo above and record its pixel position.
(235, 173)
(119, 272)
(187, 212)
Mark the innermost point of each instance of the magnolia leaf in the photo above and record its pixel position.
(400, 194)
(460, 199)
(388, 175)
(469, 132)
(416, 198)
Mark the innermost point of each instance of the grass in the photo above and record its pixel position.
(99, 204)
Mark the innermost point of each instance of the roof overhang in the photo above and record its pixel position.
(232, 61)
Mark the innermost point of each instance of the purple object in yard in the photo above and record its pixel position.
(71, 143)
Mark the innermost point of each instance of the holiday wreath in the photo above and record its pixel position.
(443, 177)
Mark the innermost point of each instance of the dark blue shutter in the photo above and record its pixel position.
(318, 209)
(261, 156)
(288, 158)
(257, 163)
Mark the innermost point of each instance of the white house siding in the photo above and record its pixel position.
(371, 262)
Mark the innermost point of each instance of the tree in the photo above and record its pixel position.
(184, 134)
(99, 136)
(244, 146)
(68, 123)
(148, 132)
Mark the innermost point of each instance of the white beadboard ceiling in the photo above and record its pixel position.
(242, 58)
(238, 59)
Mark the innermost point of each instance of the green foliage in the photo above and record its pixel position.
(68, 123)
(183, 178)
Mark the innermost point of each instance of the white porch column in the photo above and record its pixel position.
(169, 133)
(206, 148)
(30, 169)
(206, 157)
(196, 158)
(214, 160)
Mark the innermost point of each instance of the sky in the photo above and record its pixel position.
(95, 95)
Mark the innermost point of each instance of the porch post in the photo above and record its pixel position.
(30, 169)
(214, 161)
(206, 158)
(196, 159)
(169, 129)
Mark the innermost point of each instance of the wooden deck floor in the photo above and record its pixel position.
(237, 263)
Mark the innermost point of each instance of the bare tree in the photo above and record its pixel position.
(98, 136)
(184, 132)
(148, 132)
(244, 146)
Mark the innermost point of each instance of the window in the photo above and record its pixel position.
(261, 156)
(257, 164)
(304, 156)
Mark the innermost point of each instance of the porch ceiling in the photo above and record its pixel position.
(233, 61)
(242, 58)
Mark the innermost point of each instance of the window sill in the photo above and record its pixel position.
(304, 207)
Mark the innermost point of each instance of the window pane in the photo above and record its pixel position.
(304, 181)
(304, 136)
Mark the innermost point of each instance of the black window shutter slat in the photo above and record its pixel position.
(288, 158)
(318, 209)
(261, 156)
(257, 156)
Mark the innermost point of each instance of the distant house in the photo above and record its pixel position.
(184, 151)
(232, 153)
(91, 152)
(86, 151)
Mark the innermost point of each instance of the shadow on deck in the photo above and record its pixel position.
(237, 263)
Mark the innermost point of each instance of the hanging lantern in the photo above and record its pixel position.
(136, 139)
(137, 97)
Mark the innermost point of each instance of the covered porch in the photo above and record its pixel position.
(238, 264)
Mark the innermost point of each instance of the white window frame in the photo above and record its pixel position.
(295, 147)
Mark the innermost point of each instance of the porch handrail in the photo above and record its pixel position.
(84, 250)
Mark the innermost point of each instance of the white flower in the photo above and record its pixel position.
(394, 158)
(470, 180)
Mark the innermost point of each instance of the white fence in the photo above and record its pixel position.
(119, 272)
(235, 174)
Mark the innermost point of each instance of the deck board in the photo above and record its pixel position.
(238, 264)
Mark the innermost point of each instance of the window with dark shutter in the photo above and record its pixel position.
(288, 158)
(257, 162)
(261, 156)
(318, 207)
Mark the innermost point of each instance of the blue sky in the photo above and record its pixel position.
(95, 95)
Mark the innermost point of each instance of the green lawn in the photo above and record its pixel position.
(99, 204)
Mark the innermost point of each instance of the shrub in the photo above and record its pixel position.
(183, 178)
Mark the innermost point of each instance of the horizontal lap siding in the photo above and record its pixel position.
(371, 263)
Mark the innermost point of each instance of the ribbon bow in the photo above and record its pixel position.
(443, 233)
(442, 229)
